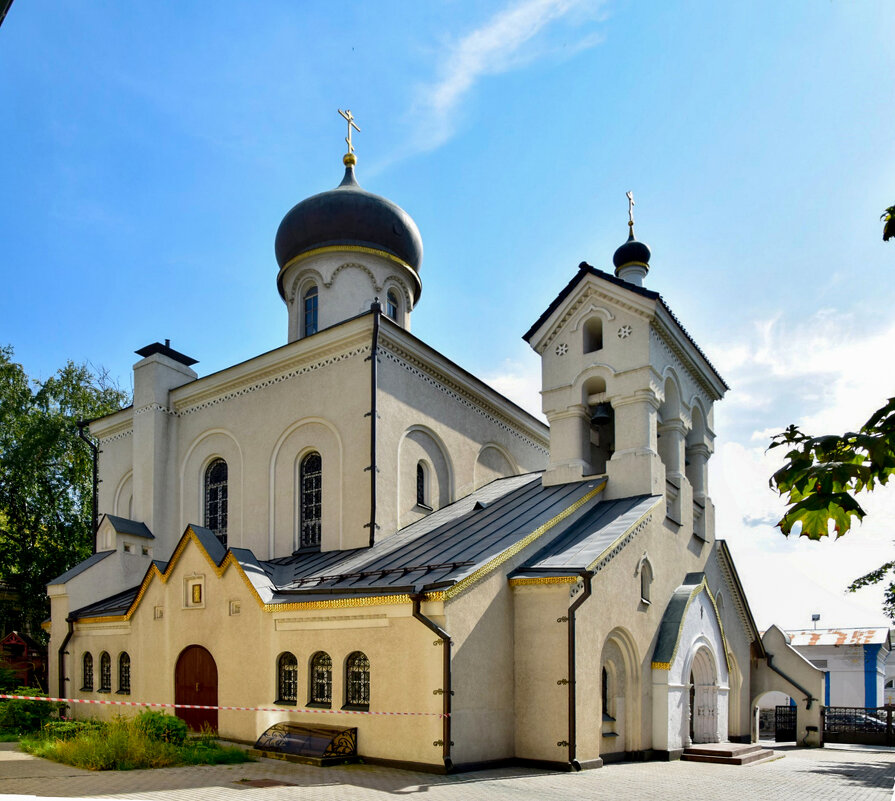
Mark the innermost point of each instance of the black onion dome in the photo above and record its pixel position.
(631, 251)
(349, 215)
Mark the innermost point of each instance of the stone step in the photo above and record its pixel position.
(729, 754)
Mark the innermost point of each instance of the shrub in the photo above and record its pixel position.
(22, 717)
(161, 727)
(124, 744)
(66, 729)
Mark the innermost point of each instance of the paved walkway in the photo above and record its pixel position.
(815, 774)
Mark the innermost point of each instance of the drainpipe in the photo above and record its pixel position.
(82, 424)
(373, 414)
(586, 576)
(61, 656)
(446, 692)
(809, 698)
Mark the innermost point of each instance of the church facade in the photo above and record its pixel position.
(352, 527)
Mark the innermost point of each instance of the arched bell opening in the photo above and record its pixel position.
(601, 418)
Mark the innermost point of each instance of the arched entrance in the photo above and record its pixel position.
(620, 695)
(703, 698)
(196, 682)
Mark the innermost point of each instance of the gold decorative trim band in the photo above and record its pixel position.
(522, 582)
(661, 665)
(345, 249)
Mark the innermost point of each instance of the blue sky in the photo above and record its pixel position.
(150, 151)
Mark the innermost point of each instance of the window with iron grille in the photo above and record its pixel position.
(105, 673)
(310, 322)
(391, 305)
(87, 671)
(124, 674)
(357, 680)
(287, 679)
(311, 500)
(216, 499)
(321, 679)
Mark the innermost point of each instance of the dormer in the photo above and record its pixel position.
(125, 536)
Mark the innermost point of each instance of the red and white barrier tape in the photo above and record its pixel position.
(228, 708)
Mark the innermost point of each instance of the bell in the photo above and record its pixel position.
(602, 414)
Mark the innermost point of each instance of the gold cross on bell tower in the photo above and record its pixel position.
(630, 196)
(349, 118)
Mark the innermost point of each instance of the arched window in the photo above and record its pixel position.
(391, 305)
(593, 335)
(310, 312)
(87, 672)
(321, 679)
(604, 693)
(357, 680)
(216, 499)
(124, 673)
(646, 578)
(105, 673)
(310, 487)
(422, 485)
(287, 679)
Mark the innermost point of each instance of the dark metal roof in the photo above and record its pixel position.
(117, 604)
(437, 551)
(670, 628)
(90, 561)
(590, 537)
(124, 526)
(349, 215)
(586, 269)
(210, 542)
(166, 350)
(444, 550)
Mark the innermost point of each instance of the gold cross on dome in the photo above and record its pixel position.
(349, 118)
(630, 196)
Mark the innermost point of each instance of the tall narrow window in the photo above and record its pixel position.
(124, 674)
(391, 305)
(310, 321)
(287, 679)
(357, 680)
(646, 578)
(321, 679)
(310, 483)
(422, 485)
(105, 673)
(87, 672)
(216, 499)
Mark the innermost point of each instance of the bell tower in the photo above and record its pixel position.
(628, 394)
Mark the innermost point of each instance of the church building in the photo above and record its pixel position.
(353, 530)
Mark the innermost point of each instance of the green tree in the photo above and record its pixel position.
(888, 218)
(46, 474)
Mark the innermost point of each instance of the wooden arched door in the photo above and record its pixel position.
(196, 682)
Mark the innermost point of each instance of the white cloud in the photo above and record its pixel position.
(520, 382)
(827, 374)
(509, 40)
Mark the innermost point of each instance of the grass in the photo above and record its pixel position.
(8, 737)
(124, 744)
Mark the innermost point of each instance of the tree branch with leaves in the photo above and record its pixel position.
(46, 523)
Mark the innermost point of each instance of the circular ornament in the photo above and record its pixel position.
(562, 349)
(624, 332)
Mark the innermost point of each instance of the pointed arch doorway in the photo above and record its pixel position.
(703, 698)
(196, 682)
